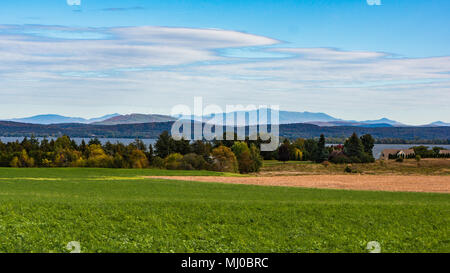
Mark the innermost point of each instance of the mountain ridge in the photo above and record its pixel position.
(47, 119)
(286, 117)
(135, 119)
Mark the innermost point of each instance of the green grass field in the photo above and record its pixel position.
(41, 210)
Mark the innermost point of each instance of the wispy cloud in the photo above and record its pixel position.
(74, 2)
(124, 9)
(136, 69)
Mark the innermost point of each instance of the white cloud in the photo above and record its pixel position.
(129, 48)
(192, 37)
(154, 68)
(74, 2)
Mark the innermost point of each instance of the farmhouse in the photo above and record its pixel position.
(405, 153)
(444, 152)
(396, 152)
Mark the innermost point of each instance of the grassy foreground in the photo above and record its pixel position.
(41, 210)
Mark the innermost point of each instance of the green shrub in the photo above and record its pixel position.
(245, 162)
(256, 157)
(238, 148)
(355, 159)
(338, 157)
(158, 162)
(349, 169)
(173, 161)
(366, 158)
(119, 162)
(193, 162)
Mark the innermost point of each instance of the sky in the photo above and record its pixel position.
(352, 59)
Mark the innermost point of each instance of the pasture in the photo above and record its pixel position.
(105, 210)
(427, 166)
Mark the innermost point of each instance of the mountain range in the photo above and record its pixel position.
(438, 124)
(134, 119)
(57, 119)
(285, 117)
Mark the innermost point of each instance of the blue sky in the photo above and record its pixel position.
(346, 58)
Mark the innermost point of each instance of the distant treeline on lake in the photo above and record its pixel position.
(336, 134)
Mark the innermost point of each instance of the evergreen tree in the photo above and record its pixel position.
(182, 146)
(225, 142)
(201, 148)
(310, 150)
(353, 146)
(139, 144)
(150, 153)
(45, 146)
(94, 141)
(165, 145)
(283, 152)
(368, 143)
(321, 154)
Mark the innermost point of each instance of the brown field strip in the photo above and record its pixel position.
(438, 184)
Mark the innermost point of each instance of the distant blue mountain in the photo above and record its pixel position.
(58, 119)
(320, 119)
(135, 119)
(100, 119)
(384, 121)
(286, 117)
(376, 125)
(49, 119)
(350, 123)
(437, 124)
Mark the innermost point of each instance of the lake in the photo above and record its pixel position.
(78, 140)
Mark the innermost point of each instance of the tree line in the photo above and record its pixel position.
(422, 152)
(166, 153)
(355, 150)
(337, 134)
(219, 155)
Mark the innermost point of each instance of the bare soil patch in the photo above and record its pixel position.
(438, 184)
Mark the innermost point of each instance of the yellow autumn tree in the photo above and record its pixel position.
(298, 155)
(138, 160)
(224, 159)
(98, 158)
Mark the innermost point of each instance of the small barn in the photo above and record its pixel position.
(405, 153)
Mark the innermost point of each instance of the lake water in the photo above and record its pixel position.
(78, 140)
(376, 150)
